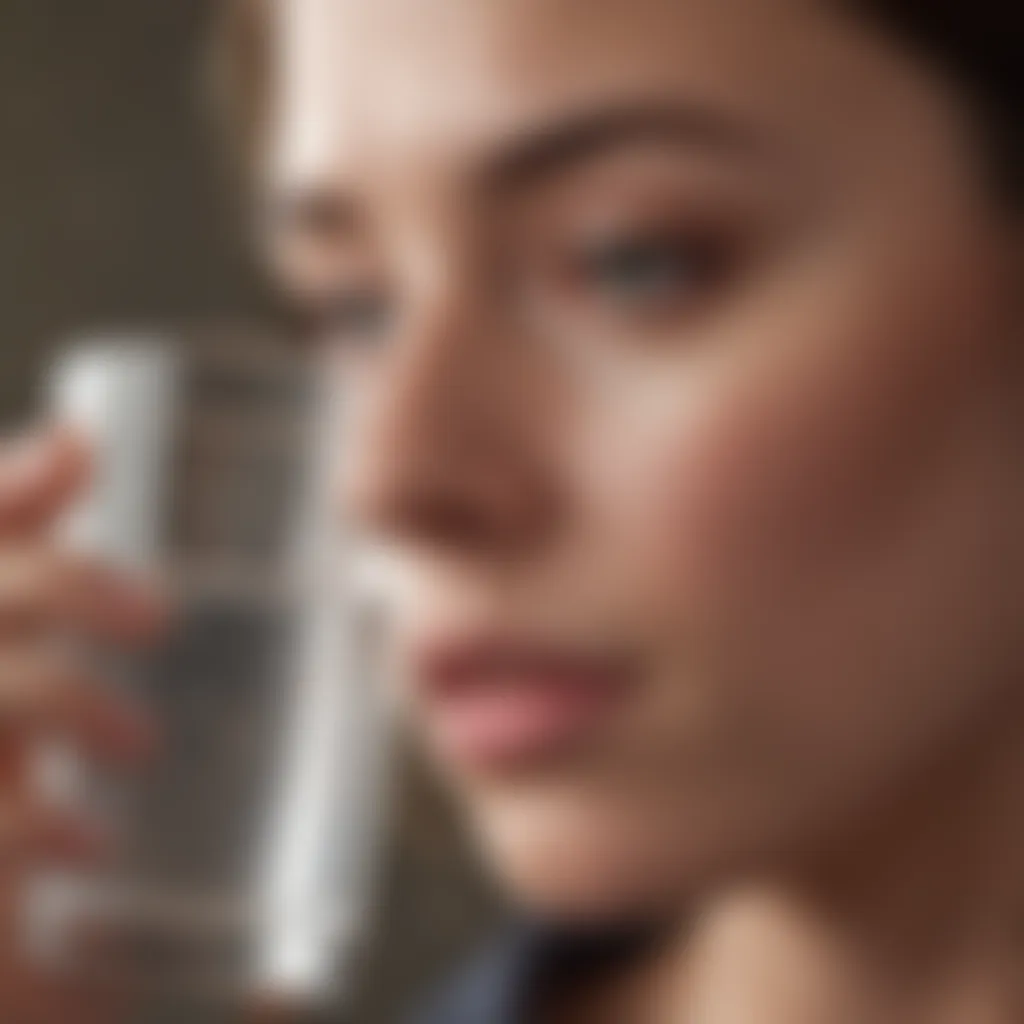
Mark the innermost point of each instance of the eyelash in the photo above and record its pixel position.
(648, 274)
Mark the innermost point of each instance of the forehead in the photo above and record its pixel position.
(367, 87)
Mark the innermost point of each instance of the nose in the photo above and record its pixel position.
(444, 450)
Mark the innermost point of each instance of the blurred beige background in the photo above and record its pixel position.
(110, 204)
(115, 212)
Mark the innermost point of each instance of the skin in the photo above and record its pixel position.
(789, 491)
(44, 696)
(791, 494)
(773, 464)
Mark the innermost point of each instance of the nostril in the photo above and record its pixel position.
(451, 507)
(454, 524)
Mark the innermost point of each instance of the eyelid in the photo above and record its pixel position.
(667, 190)
(667, 230)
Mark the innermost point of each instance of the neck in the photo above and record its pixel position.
(917, 919)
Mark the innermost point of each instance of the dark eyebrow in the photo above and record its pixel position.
(580, 137)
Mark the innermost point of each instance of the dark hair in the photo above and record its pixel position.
(975, 45)
(978, 47)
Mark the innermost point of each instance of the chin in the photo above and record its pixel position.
(560, 857)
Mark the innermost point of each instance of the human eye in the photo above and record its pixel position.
(358, 316)
(642, 264)
(646, 273)
(633, 280)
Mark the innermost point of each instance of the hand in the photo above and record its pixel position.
(44, 695)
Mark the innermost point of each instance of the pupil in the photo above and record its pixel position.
(638, 269)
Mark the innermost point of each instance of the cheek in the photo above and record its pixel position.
(806, 543)
(779, 465)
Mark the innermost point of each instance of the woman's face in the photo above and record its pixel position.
(685, 386)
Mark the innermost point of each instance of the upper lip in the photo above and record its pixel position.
(447, 665)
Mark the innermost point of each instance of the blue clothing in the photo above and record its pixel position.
(505, 984)
(494, 988)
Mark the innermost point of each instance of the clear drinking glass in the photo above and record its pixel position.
(248, 845)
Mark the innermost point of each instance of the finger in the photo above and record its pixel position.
(13, 765)
(44, 692)
(32, 834)
(29, 995)
(44, 1001)
(74, 981)
(41, 586)
(38, 475)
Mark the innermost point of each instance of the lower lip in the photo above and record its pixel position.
(519, 722)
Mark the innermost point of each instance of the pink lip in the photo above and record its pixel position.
(498, 705)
